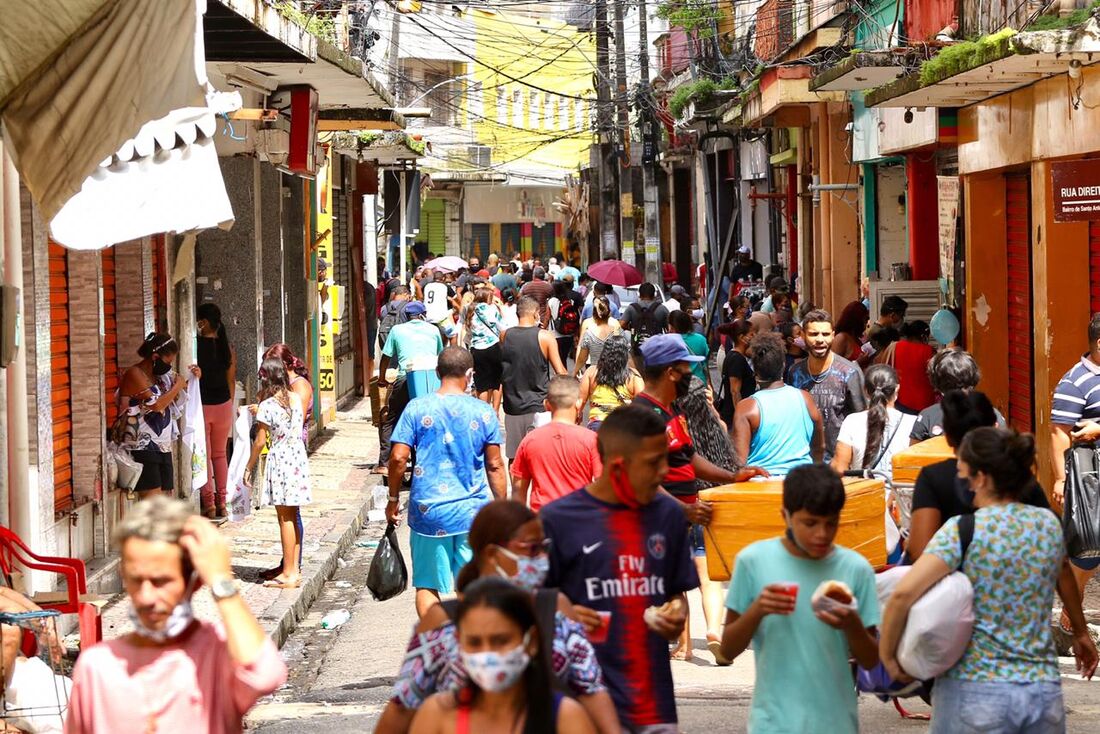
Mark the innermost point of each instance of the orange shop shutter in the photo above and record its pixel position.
(110, 337)
(1020, 326)
(1094, 267)
(60, 379)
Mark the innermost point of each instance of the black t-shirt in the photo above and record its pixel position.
(736, 365)
(939, 487)
(750, 271)
(930, 422)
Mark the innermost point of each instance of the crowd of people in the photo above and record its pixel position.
(552, 434)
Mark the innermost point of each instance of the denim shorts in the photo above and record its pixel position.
(980, 707)
(698, 547)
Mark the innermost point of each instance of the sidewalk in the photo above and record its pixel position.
(342, 483)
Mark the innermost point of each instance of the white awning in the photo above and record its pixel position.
(166, 179)
(80, 77)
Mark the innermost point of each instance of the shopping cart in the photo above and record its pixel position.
(38, 695)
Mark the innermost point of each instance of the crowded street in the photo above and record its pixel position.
(574, 366)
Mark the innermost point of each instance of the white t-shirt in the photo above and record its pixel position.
(435, 302)
(853, 431)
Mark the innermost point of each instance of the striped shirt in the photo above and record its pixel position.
(1077, 395)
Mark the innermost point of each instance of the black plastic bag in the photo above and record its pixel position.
(388, 576)
(1081, 509)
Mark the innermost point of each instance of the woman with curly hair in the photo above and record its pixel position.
(611, 382)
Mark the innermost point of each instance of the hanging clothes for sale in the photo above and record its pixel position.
(239, 499)
(194, 435)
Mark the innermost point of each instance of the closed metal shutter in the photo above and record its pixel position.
(341, 268)
(110, 336)
(1094, 267)
(60, 379)
(1020, 326)
(543, 243)
(479, 242)
(511, 238)
(433, 226)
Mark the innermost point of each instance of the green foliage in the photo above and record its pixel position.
(966, 55)
(321, 26)
(1056, 23)
(700, 91)
(694, 16)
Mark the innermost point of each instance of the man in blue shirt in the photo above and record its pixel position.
(413, 341)
(803, 680)
(459, 469)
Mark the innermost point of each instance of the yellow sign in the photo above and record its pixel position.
(326, 352)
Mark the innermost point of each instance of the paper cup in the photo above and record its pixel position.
(790, 589)
(599, 635)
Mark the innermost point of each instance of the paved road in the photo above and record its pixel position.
(341, 679)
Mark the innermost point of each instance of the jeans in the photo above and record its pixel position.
(219, 422)
(973, 707)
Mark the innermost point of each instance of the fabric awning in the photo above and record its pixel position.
(78, 78)
(166, 179)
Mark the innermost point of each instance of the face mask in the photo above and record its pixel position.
(160, 367)
(530, 572)
(800, 343)
(795, 543)
(178, 621)
(624, 491)
(497, 671)
(683, 386)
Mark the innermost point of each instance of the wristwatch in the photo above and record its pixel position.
(224, 588)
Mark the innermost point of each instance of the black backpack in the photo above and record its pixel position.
(643, 321)
(392, 315)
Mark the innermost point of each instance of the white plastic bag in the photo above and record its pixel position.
(239, 502)
(939, 626)
(36, 699)
(126, 472)
(239, 499)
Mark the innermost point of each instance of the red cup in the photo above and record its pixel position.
(788, 588)
(599, 635)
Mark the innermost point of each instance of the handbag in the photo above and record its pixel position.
(124, 431)
(1081, 513)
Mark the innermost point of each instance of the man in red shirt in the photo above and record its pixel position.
(557, 458)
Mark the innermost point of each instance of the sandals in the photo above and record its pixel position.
(715, 647)
(280, 583)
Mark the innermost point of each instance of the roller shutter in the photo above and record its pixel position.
(1094, 267)
(433, 226)
(543, 242)
(1020, 325)
(60, 379)
(110, 336)
(341, 268)
(479, 242)
(511, 238)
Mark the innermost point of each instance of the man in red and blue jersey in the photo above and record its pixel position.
(617, 549)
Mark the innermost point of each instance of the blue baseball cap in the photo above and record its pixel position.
(415, 308)
(663, 349)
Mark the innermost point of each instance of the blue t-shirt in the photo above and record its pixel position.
(803, 680)
(410, 340)
(449, 485)
(611, 558)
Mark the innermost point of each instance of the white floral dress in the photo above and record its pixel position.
(286, 478)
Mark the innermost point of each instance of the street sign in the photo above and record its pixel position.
(1076, 187)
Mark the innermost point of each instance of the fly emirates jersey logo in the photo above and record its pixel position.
(631, 580)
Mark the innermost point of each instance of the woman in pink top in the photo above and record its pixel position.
(174, 673)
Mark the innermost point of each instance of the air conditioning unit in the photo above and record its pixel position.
(480, 155)
(923, 297)
(273, 145)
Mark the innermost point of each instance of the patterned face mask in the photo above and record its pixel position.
(530, 572)
(497, 671)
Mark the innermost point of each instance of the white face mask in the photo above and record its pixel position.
(530, 572)
(497, 671)
(178, 621)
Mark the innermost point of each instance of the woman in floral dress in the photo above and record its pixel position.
(285, 483)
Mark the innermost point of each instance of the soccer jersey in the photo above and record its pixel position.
(614, 559)
(681, 474)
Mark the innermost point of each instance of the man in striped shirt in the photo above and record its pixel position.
(1075, 414)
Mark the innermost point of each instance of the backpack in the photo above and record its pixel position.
(568, 321)
(643, 321)
(392, 315)
(546, 610)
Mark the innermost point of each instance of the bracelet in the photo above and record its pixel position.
(395, 499)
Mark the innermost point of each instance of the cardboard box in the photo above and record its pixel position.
(908, 463)
(750, 511)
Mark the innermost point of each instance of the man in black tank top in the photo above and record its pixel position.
(528, 353)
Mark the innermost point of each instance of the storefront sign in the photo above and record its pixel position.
(326, 376)
(1076, 190)
(948, 195)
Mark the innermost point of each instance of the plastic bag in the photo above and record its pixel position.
(239, 502)
(127, 471)
(36, 698)
(878, 682)
(1081, 516)
(388, 576)
(940, 623)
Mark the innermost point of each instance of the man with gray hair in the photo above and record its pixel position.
(174, 672)
(540, 290)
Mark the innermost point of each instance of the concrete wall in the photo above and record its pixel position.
(294, 264)
(271, 230)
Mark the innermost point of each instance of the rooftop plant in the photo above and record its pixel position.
(966, 55)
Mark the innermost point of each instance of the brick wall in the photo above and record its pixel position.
(774, 28)
(134, 299)
(86, 355)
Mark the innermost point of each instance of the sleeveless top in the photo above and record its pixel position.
(526, 376)
(214, 385)
(782, 441)
(462, 722)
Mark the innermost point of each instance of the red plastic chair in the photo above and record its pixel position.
(13, 550)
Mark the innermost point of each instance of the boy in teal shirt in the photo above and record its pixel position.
(803, 680)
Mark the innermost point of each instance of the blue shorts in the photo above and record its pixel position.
(437, 559)
(696, 534)
(1086, 564)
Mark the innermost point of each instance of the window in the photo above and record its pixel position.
(533, 109)
(476, 106)
(563, 113)
(517, 108)
(578, 115)
(502, 107)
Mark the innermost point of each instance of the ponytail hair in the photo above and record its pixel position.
(495, 524)
(601, 309)
(212, 315)
(292, 362)
(1005, 455)
(881, 385)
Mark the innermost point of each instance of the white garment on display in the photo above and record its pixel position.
(194, 436)
(239, 501)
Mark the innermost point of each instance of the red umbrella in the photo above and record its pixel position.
(616, 272)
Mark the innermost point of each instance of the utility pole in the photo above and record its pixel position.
(609, 202)
(622, 128)
(393, 77)
(648, 124)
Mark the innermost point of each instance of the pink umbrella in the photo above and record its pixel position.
(448, 263)
(616, 272)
